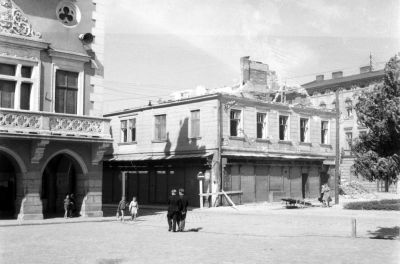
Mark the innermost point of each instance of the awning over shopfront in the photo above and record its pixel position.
(148, 157)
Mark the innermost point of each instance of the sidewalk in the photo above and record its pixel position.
(276, 208)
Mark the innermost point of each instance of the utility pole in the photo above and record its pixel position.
(371, 63)
(337, 147)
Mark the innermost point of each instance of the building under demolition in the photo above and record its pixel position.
(248, 145)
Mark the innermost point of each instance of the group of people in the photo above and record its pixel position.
(133, 207)
(69, 206)
(177, 211)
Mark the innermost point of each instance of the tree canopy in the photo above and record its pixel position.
(377, 152)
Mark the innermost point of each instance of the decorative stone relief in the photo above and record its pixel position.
(98, 153)
(14, 21)
(38, 149)
(18, 120)
(75, 125)
(68, 13)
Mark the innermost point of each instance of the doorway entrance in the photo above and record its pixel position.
(7, 187)
(304, 185)
(59, 179)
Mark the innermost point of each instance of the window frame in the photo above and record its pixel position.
(19, 80)
(124, 131)
(66, 89)
(239, 126)
(264, 125)
(191, 125)
(160, 139)
(287, 124)
(327, 132)
(307, 132)
(73, 64)
(348, 142)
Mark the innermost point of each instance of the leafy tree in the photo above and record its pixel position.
(377, 152)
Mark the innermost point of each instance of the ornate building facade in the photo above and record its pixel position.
(52, 133)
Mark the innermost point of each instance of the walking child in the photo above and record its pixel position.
(133, 208)
(121, 209)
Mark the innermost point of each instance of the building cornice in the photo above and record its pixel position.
(69, 55)
(20, 41)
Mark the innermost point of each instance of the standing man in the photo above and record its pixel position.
(174, 207)
(185, 203)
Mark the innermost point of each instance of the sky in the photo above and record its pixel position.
(153, 48)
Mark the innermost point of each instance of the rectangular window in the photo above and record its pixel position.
(261, 125)
(124, 131)
(25, 96)
(26, 71)
(66, 92)
(7, 69)
(283, 128)
(195, 123)
(132, 129)
(7, 92)
(160, 132)
(324, 132)
(235, 122)
(303, 129)
(349, 139)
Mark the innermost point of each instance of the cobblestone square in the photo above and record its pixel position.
(218, 235)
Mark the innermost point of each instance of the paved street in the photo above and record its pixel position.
(218, 235)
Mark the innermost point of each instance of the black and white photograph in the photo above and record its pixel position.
(187, 131)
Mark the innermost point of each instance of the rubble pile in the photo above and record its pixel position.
(355, 190)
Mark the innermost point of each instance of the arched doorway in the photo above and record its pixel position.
(60, 177)
(8, 190)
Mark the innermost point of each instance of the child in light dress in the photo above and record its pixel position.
(133, 208)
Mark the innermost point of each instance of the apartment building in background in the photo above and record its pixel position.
(322, 95)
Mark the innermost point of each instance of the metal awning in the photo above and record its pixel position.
(271, 155)
(147, 157)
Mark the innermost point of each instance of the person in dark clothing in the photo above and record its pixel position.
(73, 205)
(184, 206)
(121, 209)
(174, 208)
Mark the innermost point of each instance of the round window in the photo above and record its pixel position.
(68, 14)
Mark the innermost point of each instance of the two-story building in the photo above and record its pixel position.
(52, 134)
(322, 94)
(253, 149)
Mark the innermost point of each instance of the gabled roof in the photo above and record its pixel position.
(344, 82)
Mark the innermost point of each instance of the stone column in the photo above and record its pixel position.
(92, 200)
(30, 204)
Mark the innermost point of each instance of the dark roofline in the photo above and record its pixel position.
(344, 81)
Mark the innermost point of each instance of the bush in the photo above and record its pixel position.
(390, 205)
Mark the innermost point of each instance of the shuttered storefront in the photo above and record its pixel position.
(258, 182)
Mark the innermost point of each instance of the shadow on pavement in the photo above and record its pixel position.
(390, 233)
(197, 229)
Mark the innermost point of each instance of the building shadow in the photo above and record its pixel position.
(389, 233)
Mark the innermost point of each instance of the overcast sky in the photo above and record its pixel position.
(156, 47)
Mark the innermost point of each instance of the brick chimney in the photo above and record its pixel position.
(365, 69)
(257, 73)
(245, 69)
(319, 78)
(337, 74)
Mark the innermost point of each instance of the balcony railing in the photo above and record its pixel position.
(57, 124)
